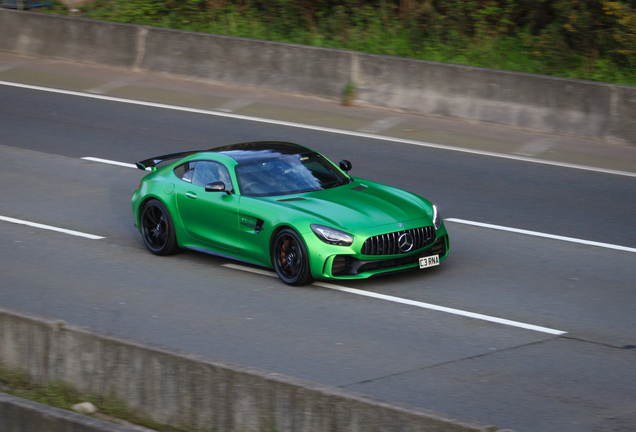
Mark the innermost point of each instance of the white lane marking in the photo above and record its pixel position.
(251, 270)
(50, 228)
(323, 129)
(110, 162)
(411, 302)
(543, 235)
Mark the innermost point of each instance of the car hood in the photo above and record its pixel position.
(358, 205)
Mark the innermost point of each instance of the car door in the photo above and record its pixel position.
(209, 217)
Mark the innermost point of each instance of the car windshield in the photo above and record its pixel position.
(288, 174)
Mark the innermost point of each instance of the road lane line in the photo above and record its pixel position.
(323, 129)
(441, 309)
(257, 271)
(411, 302)
(543, 235)
(50, 228)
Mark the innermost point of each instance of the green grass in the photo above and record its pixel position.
(64, 396)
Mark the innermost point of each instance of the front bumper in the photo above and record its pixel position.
(345, 265)
(338, 262)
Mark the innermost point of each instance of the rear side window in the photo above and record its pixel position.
(185, 171)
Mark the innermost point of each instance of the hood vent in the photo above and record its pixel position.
(359, 188)
(291, 199)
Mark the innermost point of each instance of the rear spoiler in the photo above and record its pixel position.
(152, 162)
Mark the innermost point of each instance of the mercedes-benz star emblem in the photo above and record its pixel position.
(405, 242)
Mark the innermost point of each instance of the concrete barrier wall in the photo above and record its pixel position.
(556, 105)
(285, 67)
(196, 392)
(89, 41)
(19, 415)
(529, 101)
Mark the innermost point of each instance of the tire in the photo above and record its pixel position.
(157, 229)
(290, 259)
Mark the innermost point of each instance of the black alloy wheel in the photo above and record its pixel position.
(290, 259)
(157, 229)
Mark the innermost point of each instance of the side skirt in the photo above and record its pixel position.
(221, 255)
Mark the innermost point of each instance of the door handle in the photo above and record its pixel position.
(191, 195)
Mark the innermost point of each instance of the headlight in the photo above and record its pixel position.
(332, 236)
(437, 219)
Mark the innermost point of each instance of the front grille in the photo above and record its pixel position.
(387, 244)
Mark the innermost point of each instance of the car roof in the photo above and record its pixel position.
(259, 150)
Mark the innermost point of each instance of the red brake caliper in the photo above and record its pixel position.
(283, 254)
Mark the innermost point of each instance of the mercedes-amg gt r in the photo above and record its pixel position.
(284, 206)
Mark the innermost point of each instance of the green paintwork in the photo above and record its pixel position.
(227, 224)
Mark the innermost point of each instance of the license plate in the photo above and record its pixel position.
(429, 261)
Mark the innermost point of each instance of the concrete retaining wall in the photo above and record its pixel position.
(19, 415)
(238, 61)
(573, 107)
(528, 101)
(196, 392)
(80, 40)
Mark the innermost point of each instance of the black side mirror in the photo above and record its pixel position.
(217, 186)
(345, 165)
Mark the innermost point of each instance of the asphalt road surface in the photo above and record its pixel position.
(575, 371)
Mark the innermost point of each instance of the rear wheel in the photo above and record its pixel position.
(157, 228)
(290, 259)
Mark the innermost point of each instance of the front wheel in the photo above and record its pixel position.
(157, 229)
(290, 259)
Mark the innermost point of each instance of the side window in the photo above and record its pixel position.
(208, 172)
(185, 171)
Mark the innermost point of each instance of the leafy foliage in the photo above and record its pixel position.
(590, 39)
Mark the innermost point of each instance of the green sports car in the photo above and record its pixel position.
(284, 206)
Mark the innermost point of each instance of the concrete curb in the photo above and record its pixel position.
(21, 415)
(196, 392)
(534, 102)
